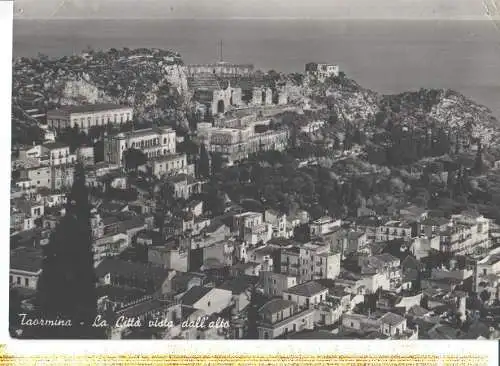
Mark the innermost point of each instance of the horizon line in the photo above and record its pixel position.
(463, 18)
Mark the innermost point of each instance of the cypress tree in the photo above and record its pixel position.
(67, 286)
(204, 162)
(252, 316)
(478, 163)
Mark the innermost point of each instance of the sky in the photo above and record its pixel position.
(171, 9)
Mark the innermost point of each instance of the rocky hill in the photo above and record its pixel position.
(148, 79)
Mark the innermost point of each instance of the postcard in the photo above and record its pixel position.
(324, 175)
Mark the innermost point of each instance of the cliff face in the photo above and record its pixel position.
(351, 105)
(176, 75)
(346, 98)
(460, 113)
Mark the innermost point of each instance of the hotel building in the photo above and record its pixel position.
(153, 142)
(87, 116)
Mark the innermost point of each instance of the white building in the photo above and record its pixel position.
(324, 225)
(393, 230)
(307, 294)
(153, 142)
(278, 222)
(275, 284)
(465, 233)
(86, 116)
(322, 71)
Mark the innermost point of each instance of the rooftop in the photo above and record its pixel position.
(194, 294)
(89, 108)
(55, 145)
(26, 259)
(276, 305)
(127, 269)
(239, 284)
(306, 289)
(392, 319)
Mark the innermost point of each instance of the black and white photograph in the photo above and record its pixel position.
(255, 170)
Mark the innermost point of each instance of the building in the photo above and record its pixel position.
(87, 116)
(246, 220)
(85, 155)
(422, 246)
(465, 233)
(47, 154)
(324, 225)
(149, 278)
(392, 230)
(246, 269)
(35, 177)
(169, 165)
(383, 264)
(25, 267)
(220, 69)
(322, 71)
(392, 324)
(356, 240)
(173, 257)
(153, 142)
(274, 284)
(209, 299)
(280, 317)
(185, 186)
(278, 223)
(306, 294)
(309, 263)
(236, 144)
(487, 275)
(58, 153)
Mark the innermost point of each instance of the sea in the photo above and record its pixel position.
(389, 56)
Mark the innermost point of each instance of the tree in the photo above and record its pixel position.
(133, 159)
(252, 315)
(478, 163)
(203, 162)
(217, 163)
(67, 286)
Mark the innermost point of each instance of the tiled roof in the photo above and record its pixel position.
(307, 289)
(246, 265)
(26, 259)
(194, 294)
(239, 285)
(417, 310)
(132, 269)
(276, 305)
(392, 319)
(55, 145)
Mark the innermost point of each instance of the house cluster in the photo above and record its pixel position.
(261, 273)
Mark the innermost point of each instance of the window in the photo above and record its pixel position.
(266, 335)
(289, 297)
(18, 280)
(26, 282)
(208, 304)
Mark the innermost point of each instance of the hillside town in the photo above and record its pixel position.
(231, 203)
